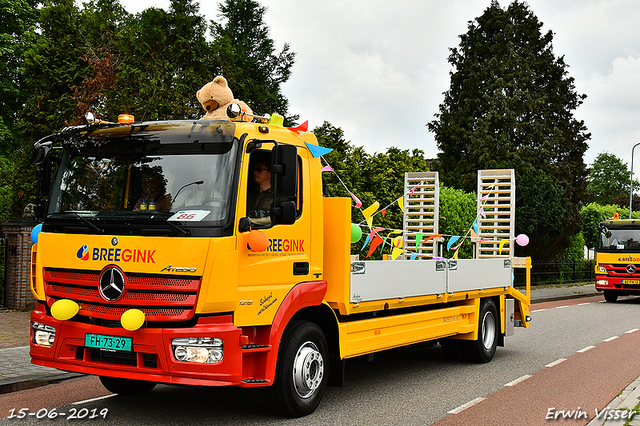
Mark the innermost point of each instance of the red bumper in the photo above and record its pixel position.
(151, 358)
(626, 285)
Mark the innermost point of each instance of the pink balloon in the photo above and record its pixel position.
(522, 240)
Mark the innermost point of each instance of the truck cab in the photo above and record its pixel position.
(618, 258)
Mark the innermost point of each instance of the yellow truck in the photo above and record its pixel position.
(151, 266)
(617, 258)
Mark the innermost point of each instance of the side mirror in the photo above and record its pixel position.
(41, 151)
(284, 212)
(285, 170)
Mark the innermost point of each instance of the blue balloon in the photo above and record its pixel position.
(35, 232)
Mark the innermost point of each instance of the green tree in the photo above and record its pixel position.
(245, 55)
(510, 105)
(378, 177)
(593, 213)
(457, 215)
(164, 61)
(17, 23)
(609, 180)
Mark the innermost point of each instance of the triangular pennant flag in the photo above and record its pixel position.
(451, 241)
(482, 213)
(276, 120)
(301, 128)
(317, 151)
(356, 199)
(366, 241)
(369, 211)
(401, 203)
(419, 236)
(377, 240)
(455, 255)
(397, 248)
(413, 256)
(502, 243)
(384, 211)
(484, 198)
(432, 237)
(475, 227)
(326, 168)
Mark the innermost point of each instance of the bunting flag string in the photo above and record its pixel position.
(375, 240)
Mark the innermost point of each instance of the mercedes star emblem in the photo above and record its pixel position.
(631, 269)
(111, 284)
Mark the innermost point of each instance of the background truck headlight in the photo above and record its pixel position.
(198, 349)
(602, 269)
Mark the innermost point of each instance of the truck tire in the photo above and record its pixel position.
(483, 349)
(610, 296)
(301, 372)
(126, 387)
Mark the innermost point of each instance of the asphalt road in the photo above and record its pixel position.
(577, 354)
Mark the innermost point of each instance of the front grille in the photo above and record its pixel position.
(620, 270)
(161, 298)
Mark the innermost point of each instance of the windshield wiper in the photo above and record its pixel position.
(92, 225)
(183, 231)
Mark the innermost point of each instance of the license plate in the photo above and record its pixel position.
(114, 343)
(630, 281)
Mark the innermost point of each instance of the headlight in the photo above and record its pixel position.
(198, 349)
(602, 269)
(43, 335)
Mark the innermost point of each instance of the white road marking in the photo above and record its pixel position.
(518, 380)
(93, 399)
(585, 349)
(554, 363)
(611, 338)
(465, 406)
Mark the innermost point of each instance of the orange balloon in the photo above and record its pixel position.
(257, 241)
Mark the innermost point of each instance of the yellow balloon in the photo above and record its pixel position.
(64, 309)
(132, 319)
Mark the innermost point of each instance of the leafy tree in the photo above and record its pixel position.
(593, 213)
(245, 55)
(378, 177)
(53, 64)
(540, 209)
(609, 180)
(510, 105)
(164, 61)
(17, 23)
(457, 214)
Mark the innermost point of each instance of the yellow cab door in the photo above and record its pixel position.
(265, 277)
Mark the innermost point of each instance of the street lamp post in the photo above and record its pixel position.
(631, 183)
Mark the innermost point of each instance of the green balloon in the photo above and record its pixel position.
(356, 233)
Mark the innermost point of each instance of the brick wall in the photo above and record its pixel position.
(17, 284)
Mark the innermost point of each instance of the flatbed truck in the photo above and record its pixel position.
(198, 292)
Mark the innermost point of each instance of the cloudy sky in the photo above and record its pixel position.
(378, 69)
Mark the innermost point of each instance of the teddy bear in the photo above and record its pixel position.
(215, 97)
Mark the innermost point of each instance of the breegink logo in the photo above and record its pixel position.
(83, 253)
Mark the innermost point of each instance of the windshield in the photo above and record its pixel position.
(130, 186)
(625, 239)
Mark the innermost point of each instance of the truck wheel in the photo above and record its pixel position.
(483, 349)
(126, 387)
(301, 372)
(610, 296)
